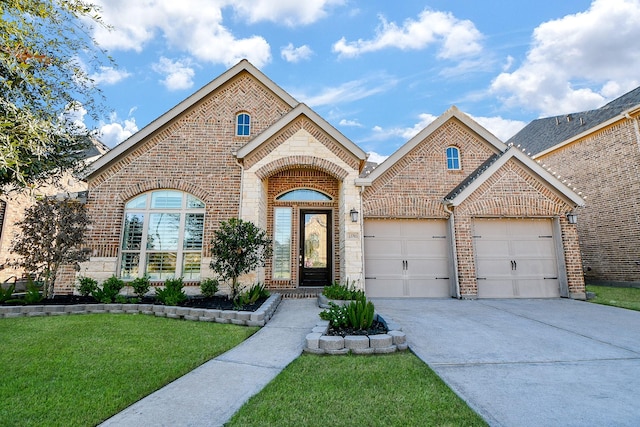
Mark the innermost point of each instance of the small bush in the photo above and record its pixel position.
(33, 294)
(140, 285)
(109, 291)
(360, 314)
(87, 286)
(5, 294)
(209, 287)
(342, 292)
(336, 315)
(252, 295)
(172, 293)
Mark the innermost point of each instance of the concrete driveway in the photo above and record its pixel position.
(554, 362)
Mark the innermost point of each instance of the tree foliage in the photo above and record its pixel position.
(46, 58)
(238, 247)
(52, 233)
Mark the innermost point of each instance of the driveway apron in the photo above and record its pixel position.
(547, 362)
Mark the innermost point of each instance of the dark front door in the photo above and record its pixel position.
(315, 248)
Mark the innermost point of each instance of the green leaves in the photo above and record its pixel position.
(238, 247)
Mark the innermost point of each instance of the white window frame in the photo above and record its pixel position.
(452, 158)
(244, 125)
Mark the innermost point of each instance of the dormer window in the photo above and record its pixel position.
(243, 124)
(453, 158)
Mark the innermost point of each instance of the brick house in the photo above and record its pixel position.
(598, 152)
(454, 213)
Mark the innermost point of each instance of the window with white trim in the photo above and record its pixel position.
(243, 124)
(162, 236)
(282, 218)
(453, 158)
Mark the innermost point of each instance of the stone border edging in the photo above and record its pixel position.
(245, 318)
(317, 342)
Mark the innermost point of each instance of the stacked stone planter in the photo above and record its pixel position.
(259, 317)
(318, 342)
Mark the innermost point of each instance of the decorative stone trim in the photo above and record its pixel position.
(260, 317)
(317, 342)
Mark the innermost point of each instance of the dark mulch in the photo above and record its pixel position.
(376, 328)
(218, 303)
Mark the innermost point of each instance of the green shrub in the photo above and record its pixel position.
(172, 293)
(360, 314)
(87, 286)
(33, 294)
(140, 285)
(5, 294)
(109, 291)
(342, 292)
(336, 315)
(252, 295)
(209, 287)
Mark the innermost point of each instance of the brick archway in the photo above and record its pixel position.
(302, 162)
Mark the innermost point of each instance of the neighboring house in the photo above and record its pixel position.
(598, 152)
(454, 213)
(14, 203)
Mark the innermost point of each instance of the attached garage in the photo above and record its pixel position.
(516, 258)
(406, 258)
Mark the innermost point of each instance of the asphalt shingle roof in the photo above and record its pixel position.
(545, 133)
(473, 176)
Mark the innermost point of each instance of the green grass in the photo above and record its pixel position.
(80, 370)
(382, 390)
(618, 297)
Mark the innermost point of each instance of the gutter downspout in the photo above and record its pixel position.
(454, 248)
(362, 271)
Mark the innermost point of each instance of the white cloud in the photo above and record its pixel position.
(178, 74)
(201, 34)
(380, 133)
(296, 54)
(502, 128)
(349, 91)
(74, 113)
(350, 123)
(457, 38)
(117, 130)
(577, 62)
(375, 157)
(109, 76)
(289, 12)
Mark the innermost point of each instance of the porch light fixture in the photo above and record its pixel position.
(354, 215)
(572, 218)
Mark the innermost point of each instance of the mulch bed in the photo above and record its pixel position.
(376, 328)
(218, 303)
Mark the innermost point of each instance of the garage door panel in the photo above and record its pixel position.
(385, 288)
(404, 257)
(515, 258)
(496, 288)
(428, 288)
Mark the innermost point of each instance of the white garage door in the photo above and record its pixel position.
(406, 258)
(515, 258)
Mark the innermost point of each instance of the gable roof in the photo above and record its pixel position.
(299, 110)
(452, 112)
(543, 134)
(127, 145)
(495, 162)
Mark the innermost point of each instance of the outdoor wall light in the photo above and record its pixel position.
(354, 215)
(572, 218)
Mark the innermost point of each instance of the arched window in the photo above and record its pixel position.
(162, 236)
(304, 195)
(243, 124)
(453, 158)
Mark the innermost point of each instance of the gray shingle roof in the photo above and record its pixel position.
(545, 133)
(473, 176)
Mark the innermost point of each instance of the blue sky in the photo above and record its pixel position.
(379, 71)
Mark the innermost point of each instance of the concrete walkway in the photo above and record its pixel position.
(212, 393)
(536, 363)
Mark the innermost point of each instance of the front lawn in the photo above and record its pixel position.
(618, 297)
(80, 370)
(382, 390)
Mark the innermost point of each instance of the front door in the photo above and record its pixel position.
(315, 248)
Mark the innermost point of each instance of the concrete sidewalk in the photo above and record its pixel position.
(212, 393)
(554, 362)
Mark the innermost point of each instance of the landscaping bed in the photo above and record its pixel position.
(198, 311)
